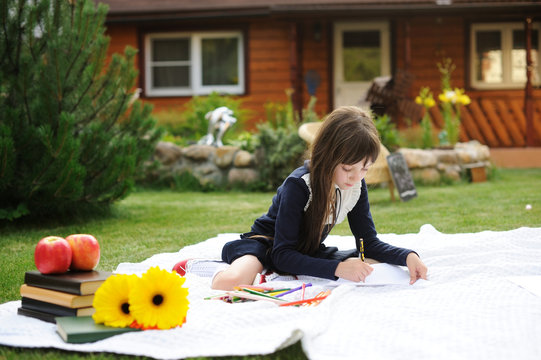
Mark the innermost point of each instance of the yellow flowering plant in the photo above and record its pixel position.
(426, 99)
(156, 300)
(451, 102)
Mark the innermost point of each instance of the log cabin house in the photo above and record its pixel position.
(335, 49)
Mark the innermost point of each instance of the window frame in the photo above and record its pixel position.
(196, 86)
(506, 31)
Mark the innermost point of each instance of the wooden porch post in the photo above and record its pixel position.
(528, 95)
(295, 65)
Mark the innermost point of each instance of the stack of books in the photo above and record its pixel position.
(46, 297)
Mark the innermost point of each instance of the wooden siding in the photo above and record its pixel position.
(431, 39)
(495, 121)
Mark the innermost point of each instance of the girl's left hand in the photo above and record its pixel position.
(416, 267)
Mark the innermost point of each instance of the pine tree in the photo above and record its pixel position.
(71, 133)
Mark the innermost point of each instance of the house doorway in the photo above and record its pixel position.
(361, 53)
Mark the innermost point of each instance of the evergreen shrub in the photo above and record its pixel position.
(279, 148)
(72, 134)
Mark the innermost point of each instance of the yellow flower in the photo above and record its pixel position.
(425, 98)
(447, 96)
(465, 100)
(111, 301)
(158, 300)
(429, 102)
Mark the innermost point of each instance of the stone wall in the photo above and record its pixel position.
(208, 164)
(229, 165)
(434, 165)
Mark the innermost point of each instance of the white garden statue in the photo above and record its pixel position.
(220, 119)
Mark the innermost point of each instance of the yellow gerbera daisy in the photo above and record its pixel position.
(111, 301)
(158, 300)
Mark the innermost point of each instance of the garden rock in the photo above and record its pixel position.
(167, 153)
(426, 175)
(224, 156)
(199, 152)
(244, 159)
(244, 176)
(417, 158)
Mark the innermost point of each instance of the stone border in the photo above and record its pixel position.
(229, 165)
(431, 166)
(208, 164)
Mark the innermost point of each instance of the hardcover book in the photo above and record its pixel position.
(83, 329)
(53, 309)
(57, 297)
(37, 314)
(74, 282)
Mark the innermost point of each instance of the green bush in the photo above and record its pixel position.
(72, 134)
(279, 151)
(279, 148)
(387, 132)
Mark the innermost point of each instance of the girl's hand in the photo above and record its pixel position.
(353, 269)
(416, 267)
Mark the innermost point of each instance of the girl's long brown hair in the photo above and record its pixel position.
(347, 136)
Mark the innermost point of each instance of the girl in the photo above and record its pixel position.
(314, 198)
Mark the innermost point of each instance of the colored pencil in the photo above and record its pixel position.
(274, 293)
(254, 287)
(321, 295)
(276, 290)
(251, 296)
(305, 301)
(293, 290)
(258, 293)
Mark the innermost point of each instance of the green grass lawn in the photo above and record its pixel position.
(150, 222)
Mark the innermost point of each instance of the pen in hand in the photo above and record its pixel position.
(361, 250)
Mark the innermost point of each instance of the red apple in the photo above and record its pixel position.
(86, 252)
(53, 255)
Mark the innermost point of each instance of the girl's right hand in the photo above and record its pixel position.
(353, 269)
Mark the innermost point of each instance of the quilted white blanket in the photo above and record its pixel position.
(469, 309)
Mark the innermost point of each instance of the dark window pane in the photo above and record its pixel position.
(170, 76)
(519, 39)
(171, 50)
(361, 55)
(361, 39)
(220, 59)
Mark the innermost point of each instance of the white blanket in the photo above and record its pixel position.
(469, 309)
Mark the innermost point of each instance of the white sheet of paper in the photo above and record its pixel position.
(531, 283)
(383, 274)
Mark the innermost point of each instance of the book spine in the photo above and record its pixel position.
(43, 306)
(57, 284)
(56, 297)
(37, 315)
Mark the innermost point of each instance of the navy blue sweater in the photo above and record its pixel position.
(283, 222)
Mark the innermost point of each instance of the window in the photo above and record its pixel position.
(185, 64)
(361, 54)
(499, 55)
